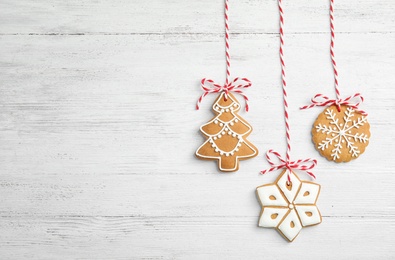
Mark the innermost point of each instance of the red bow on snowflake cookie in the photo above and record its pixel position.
(236, 86)
(301, 164)
(321, 100)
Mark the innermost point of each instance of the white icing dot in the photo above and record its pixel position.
(215, 138)
(241, 140)
(349, 138)
(227, 154)
(211, 141)
(231, 123)
(229, 133)
(226, 129)
(238, 145)
(235, 105)
(336, 140)
(341, 124)
(231, 153)
(342, 141)
(333, 134)
(222, 110)
(234, 134)
(221, 153)
(236, 149)
(227, 110)
(216, 122)
(216, 149)
(239, 137)
(236, 120)
(349, 132)
(213, 145)
(220, 124)
(223, 132)
(219, 136)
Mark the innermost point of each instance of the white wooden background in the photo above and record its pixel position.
(98, 128)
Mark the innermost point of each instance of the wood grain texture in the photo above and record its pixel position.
(98, 128)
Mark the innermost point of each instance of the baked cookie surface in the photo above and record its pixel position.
(226, 136)
(341, 136)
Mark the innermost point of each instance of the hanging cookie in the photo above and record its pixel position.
(288, 204)
(341, 136)
(341, 132)
(226, 133)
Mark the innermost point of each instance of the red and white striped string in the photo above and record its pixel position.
(236, 85)
(332, 48)
(227, 47)
(302, 164)
(322, 100)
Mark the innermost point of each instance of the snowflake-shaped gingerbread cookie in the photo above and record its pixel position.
(288, 207)
(341, 136)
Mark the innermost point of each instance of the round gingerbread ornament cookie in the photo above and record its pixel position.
(341, 136)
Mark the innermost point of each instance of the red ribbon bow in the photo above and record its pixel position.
(303, 165)
(322, 101)
(236, 86)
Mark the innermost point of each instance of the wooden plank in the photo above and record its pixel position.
(182, 195)
(190, 238)
(184, 17)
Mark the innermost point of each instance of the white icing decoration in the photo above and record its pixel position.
(266, 219)
(289, 210)
(264, 193)
(308, 193)
(342, 133)
(285, 226)
(307, 220)
(227, 110)
(282, 184)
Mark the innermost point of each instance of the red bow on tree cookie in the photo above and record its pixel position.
(235, 86)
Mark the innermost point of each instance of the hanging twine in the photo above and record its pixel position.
(236, 85)
(322, 100)
(302, 164)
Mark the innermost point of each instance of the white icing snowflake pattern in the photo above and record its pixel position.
(289, 207)
(341, 133)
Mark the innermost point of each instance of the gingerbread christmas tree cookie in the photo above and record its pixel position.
(226, 135)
